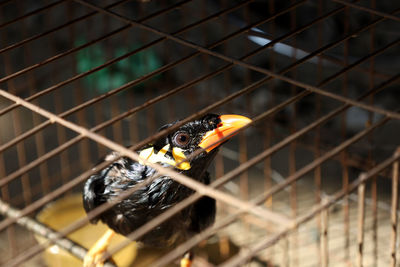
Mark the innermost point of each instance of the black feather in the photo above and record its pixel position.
(150, 201)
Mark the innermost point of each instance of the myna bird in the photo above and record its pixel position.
(149, 201)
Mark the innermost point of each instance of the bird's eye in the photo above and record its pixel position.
(181, 139)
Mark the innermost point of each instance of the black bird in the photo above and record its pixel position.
(163, 192)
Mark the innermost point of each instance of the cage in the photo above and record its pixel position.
(312, 181)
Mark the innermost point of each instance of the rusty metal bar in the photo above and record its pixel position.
(374, 185)
(343, 155)
(17, 129)
(317, 139)
(5, 196)
(39, 140)
(360, 224)
(395, 205)
(324, 238)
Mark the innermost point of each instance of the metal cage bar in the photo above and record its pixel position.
(306, 105)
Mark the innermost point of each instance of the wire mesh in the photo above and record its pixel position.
(312, 181)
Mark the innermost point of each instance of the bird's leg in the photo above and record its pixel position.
(186, 260)
(95, 254)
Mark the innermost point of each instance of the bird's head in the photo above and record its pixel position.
(194, 144)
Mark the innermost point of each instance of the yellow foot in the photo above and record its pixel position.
(186, 261)
(96, 254)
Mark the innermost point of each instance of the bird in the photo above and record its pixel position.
(175, 150)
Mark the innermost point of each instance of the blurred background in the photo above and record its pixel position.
(320, 79)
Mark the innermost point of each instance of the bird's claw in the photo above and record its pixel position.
(97, 253)
(186, 261)
(94, 258)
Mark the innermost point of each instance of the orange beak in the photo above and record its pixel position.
(229, 126)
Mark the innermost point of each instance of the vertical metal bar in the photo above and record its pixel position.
(149, 92)
(21, 155)
(324, 238)
(269, 136)
(5, 195)
(79, 92)
(360, 224)
(317, 151)
(171, 114)
(219, 159)
(370, 138)
(133, 126)
(39, 140)
(292, 146)
(61, 131)
(16, 121)
(225, 46)
(343, 154)
(117, 131)
(317, 139)
(317, 142)
(346, 206)
(395, 204)
(204, 57)
(286, 253)
(244, 178)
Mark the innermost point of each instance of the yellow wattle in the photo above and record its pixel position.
(180, 158)
(149, 155)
